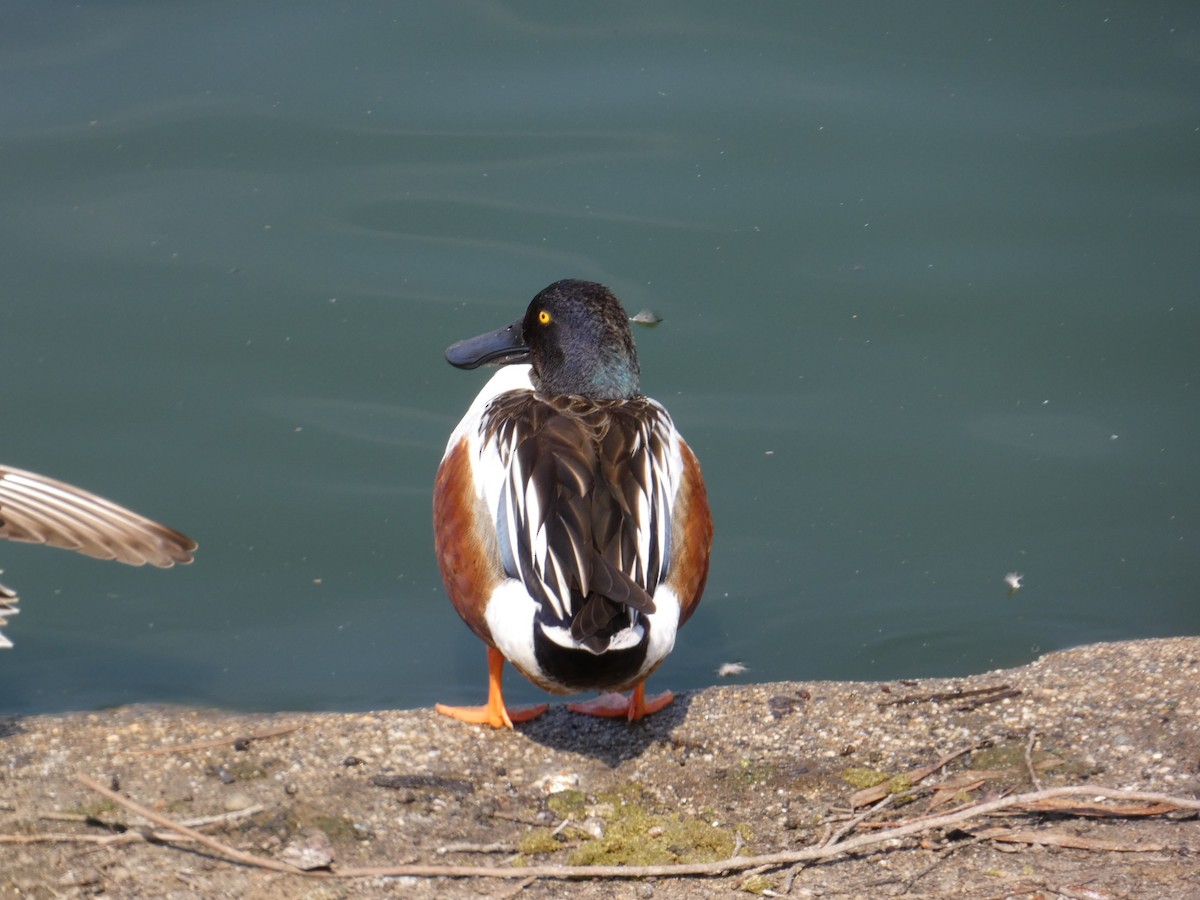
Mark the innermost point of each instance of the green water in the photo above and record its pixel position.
(929, 276)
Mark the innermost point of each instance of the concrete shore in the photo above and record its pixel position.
(761, 768)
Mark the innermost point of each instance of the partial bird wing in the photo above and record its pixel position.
(40, 510)
(585, 511)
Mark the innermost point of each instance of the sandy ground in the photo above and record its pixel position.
(751, 770)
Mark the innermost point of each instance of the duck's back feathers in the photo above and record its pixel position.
(584, 508)
(558, 531)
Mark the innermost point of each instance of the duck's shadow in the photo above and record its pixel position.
(610, 741)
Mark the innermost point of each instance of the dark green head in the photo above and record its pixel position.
(574, 334)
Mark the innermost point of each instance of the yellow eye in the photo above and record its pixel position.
(544, 317)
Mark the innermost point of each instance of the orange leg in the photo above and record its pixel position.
(617, 706)
(493, 712)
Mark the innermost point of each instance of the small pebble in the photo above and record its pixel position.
(594, 826)
(557, 782)
(238, 800)
(310, 849)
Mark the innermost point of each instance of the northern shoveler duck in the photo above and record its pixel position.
(40, 510)
(571, 522)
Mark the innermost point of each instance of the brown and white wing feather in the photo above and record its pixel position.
(41, 510)
(584, 512)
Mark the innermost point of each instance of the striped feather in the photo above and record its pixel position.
(584, 511)
(40, 510)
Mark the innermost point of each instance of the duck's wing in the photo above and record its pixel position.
(41, 510)
(584, 514)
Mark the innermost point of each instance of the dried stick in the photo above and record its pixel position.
(1033, 776)
(1057, 839)
(833, 837)
(974, 698)
(54, 837)
(124, 837)
(774, 859)
(879, 791)
(466, 847)
(720, 867)
(214, 742)
(198, 836)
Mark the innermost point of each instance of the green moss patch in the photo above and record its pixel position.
(637, 834)
(864, 778)
(538, 842)
(567, 804)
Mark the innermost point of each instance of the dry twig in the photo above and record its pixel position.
(720, 867)
(1033, 775)
(128, 836)
(239, 739)
(1059, 839)
(879, 791)
(198, 836)
(968, 699)
(467, 847)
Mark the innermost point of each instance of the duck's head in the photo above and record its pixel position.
(575, 336)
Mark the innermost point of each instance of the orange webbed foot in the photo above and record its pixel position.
(494, 712)
(497, 717)
(618, 706)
